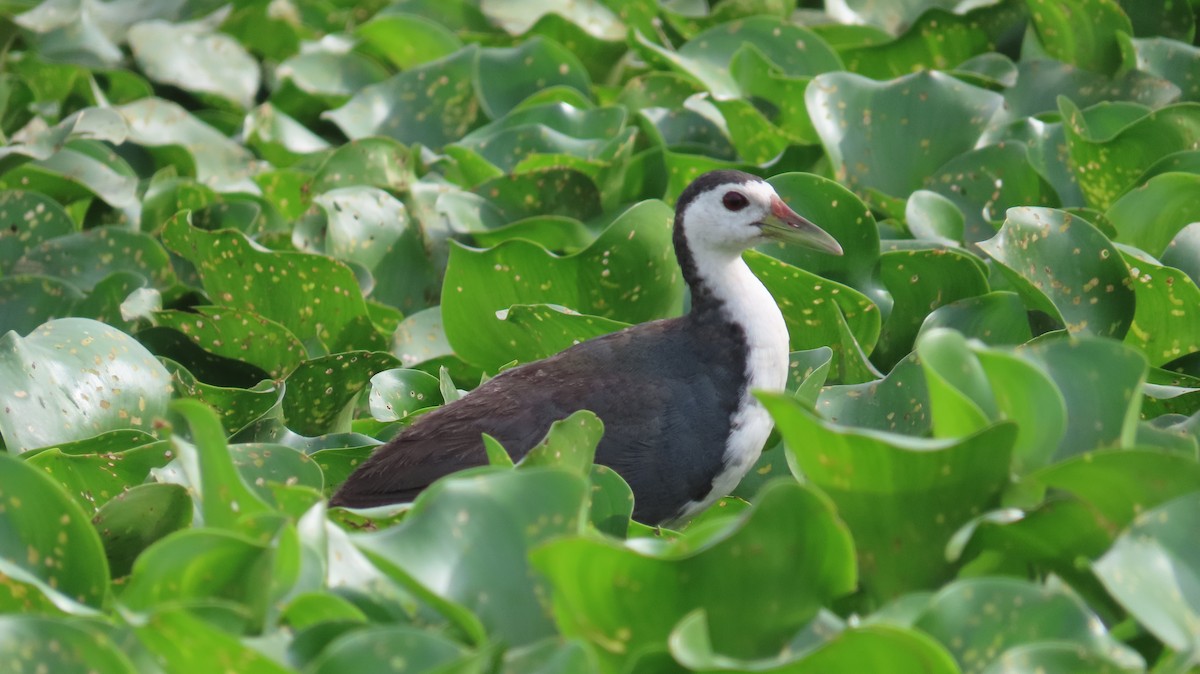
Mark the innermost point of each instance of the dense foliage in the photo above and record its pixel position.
(243, 243)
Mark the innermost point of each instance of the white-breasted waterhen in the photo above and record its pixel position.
(680, 423)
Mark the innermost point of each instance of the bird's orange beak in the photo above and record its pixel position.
(784, 224)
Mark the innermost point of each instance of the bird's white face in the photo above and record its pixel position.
(732, 217)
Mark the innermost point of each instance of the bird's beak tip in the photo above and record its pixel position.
(786, 224)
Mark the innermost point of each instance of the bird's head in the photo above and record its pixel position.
(731, 211)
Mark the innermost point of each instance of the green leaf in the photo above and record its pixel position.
(1153, 571)
(398, 392)
(64, 561)
(1111, 146)
(1081, 32)
(1098, 416)
(996, 318)
(195, 58)
(872, 477)
(785, 573)
(483, 526)
(236, 335)
(92, 479)
(899, 402)
(408, 40)
(85, 258)
(82, 169)
(506, 76)
(31, 219)
(178, 640)
(978, 619)
(629, 273)
(865, 649)
(115, 383)
(135, 519)
(1091, 294)
(1166, 319)
(29, 301)
(891, 136)
(937, 40)
(314, 297)
(321, 392)
(224, 499)
(369, 227)
(177, 138)
(1151, 215)
(570, 443)
(393, 648)
(56, 645)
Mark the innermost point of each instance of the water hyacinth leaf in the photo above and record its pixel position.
(871, 476)
(408, 108)
(73, 378)
(408, 40)
(89, 123)
(548, 191)
(1166, 319)
(570, 443)
(920, 281)
(932, 216)
(995, 318)
(1081, 32)
(1153, 214)
(787, 574)
(238, 407)
(398, 392)
(66, 561)
(30, 219)
(985, 182)
(178, 639)
(628, 274)
(94, 479)
(59, 645)
(865, 649)
(135, 519)
(494, 519)
(1091, 295)
(378, 162)
(1112, 146)
(504, 77)
(960, 400)
(550, 656)
(791, 49)
(517, 18)
(316, 298)
(368, 226)
(224, 499)
(86, 258)
(82, 169)
(278, 138)
(1056, 657)
(320, 393)
(937, 40)
(1097, 416)
(381, 647)
(197, 59)
(29, 301)
(177, 138)
(1120, 485)
(549, 329)
(979, 618)
(898, 402)
(237, 335)
(859, 122)
(1175, 61)
(263, 465)
(1153, 570)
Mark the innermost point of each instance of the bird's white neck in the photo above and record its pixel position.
(734, 291)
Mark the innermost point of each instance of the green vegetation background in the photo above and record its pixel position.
(243, 243)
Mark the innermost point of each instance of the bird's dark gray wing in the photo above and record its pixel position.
(647, 383)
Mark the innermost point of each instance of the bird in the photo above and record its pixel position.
(681, 425)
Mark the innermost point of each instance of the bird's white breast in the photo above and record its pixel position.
(748, 304)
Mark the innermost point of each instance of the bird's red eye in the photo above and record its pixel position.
(735, 201)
